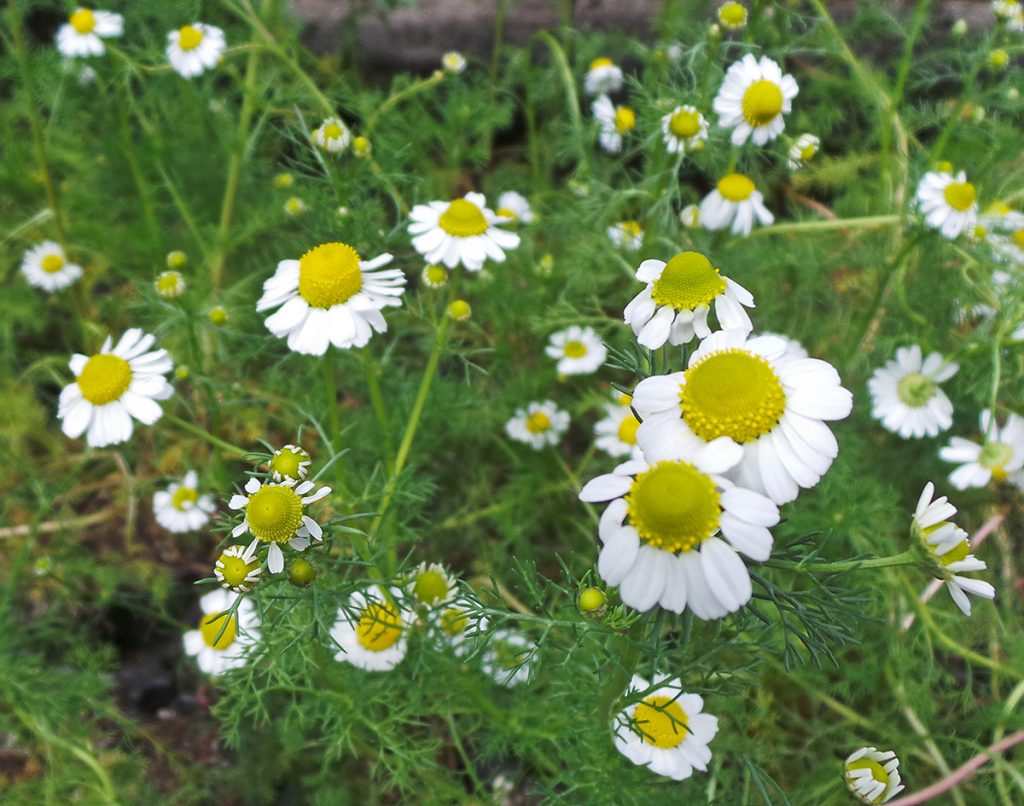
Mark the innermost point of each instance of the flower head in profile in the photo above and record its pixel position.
(332, 135)
(372, 631)
(463, 231)
(237, 569)
(803, 150)
(85, 30)
(873, 776)
(453, 62)
(628, 235)
(194, 49)
(578, 350)
(181, 508)
(753, 100)
(614, 122)
(684, 129)
(906, 397)
(514, 206)
(615, 434)
(45, 266)
(290, 462)
(603, 77)
(510, 658)
(220, 641)
(999, 456)
(538, 425)
(948, 202)
(735, 203)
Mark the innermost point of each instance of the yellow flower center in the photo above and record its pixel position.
(274, 512)
(286, 463)
(995, 456)
(332, 131)
(436, 275)
(624, 399)
(684, 123)
(662, 721)
(538, 423)
(504, 212)
(762, 102)
(189, 37)
(673, 506)
(688, 280)
(960, 195)
(625, 119)
(83, 21)
(235, 569)
(104, 379)
(574, 349)
(915, 390)
(183, 498)
(430, 587)
(956, 554)
(1018, 238)
(628, 427)
(329, 275)
(732, 393)
(808, 151)
(602, 61)
(631, 228)
(454, 621)
(211, 625)
(380, 627)
(52, 263)
(168, 283)
(463, 219)
(732, 15)
(878, 773)
(735, 187)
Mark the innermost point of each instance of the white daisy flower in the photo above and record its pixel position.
(628, 235)
(603, 77)
(432, 585)
(237, 569)
(1000, 456)
(873, 776)
(46, 267)
(330, 296)
(1003, 229)
(373, 630)
(434, 276)
(1011, 13)
(170, 284)
(461, 231)
(460, 626)
(237, 633)
(290, 462)
(332, 135)
(948, 203)
(684, 129)
(114, 386)
(665, 730)
(180, 508)
(85, 30)
(578, 350)
(661, 531)
(732, 16)
(615, 121)
(515, 206)
(275, 514)
(753, 100)
(905, 393)
(803, 150)
(538, 425)
(510, 658)
(735, 203)
(194, 49)
(616, 433)
(748, 389)
(674, 306)
(453, 62)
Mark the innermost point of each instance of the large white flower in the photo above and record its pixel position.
(510, 658)
(330, 296)
(112, 387)
(538, 424)
(461, 231)
(948, 203)
(45, 266)
(616, 432)
(684, 129)
(750, 390)
(236, 633)
(735, 203)
(85, 30)
(1000, 455)
(604, 76)
(873, 776)
(614, 122)
(753, 99)
(905, 393)
(665, 729)
(578, 350)
(661, 531)
(194, 49)
(373, 630)
(677, 300)
(180, 508)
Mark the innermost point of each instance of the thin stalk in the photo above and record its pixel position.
(392, 101)
(333, 415)
(206, 435)
(908, 557)
(377, 400)
(861, 222)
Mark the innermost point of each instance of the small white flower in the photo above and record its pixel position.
(689, 216)
(46, 267)
(803, 150)
(684, 129)
(236, 633)
(578, 350)
(194, 49)
(1011, 13)
(290, 462)
(948, 203)
(603, 77)
(460, 626)
(1003, 229)
(237, 569)
(431, 585)
(85, 30)
(515, 206)
(180, 508)
(614, 122)
(628, 235)
(616, 433)
(434, 276)
(332, 135)
(665, 729)
(674, 306)
(373, 630)
(462, 231)
(753, 100)
(873, 776)
(905, 393)
(1001, 454)
(538, 425)
(453, 62)
(735, 203)
(170, 284)
(510, 658)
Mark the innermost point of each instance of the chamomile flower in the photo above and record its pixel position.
(290, 462)
(661, 531)
(684, 129)
(603, 77)
(515, 206)
(332, 135)
(732, 16)
(873, 776)
(538, 425)
(219, 643)
(373, 630)
(948, 202)
(434, 276)
(170, 284)
(510, 658)
(180, 508)
(1003, 230)
(275, 514)
(462, 231)
(1011, 13)
(460, 626)
(616, 433)
(45, 266)
(194, 49)
(628, 235)
(905, 393)
(116, 385)
(614, 122)
(330, 296)
(689, 216)
(431, 585)
(675, 304)
(665, 730)
(803, 150)
(237, 569)
(735, 203)
(578, 350)
(85, 30)
(753, 100)
(748, 389)
(453, 62)
(1000, 455)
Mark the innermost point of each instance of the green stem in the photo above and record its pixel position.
(393, 100)
(908, 557)
(377, 400)
(128, 147)
(206, 435)
(333, 415)
(862, 222)
(569, 84)
(954, 115)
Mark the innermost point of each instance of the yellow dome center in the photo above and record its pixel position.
(1018, 238)
(274, 513)
(538, 423)
(329, 275)
(189, 37)
(333, 131)
(625, 119)
(684, 123)
(454, 621)
(83, 21)
(673, 506)
(732, 15)
(211, 625)
(735, 187)
(732, 393)
(602, 61)
(286, 463)
(628, 427)
(688, 280)
(463, 219)
(762, 102)
(960, 195)
(169, 283)
(52, 263)
(430, 587)
(878, 773)
(662, 721)
(184, 498)
(104, 379)
(574, 349)
(235, 569)
(915, 390)
(380, 627)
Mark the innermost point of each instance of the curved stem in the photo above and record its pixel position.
(908, 557)
(862, 222)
